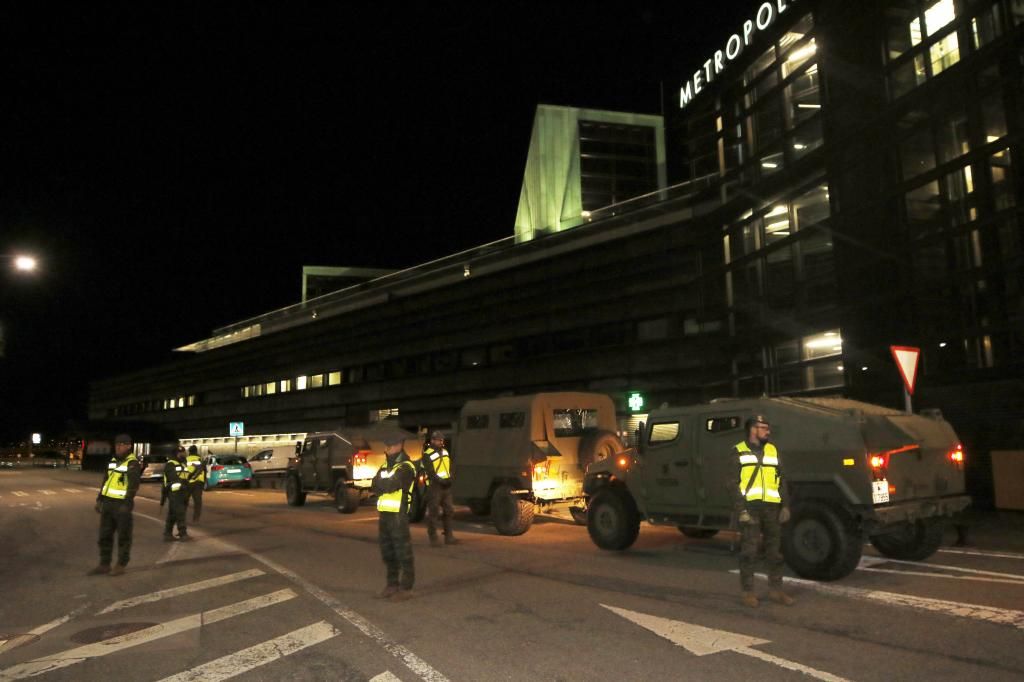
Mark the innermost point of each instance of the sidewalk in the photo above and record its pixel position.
(992, 530)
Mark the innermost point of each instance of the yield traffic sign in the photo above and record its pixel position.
(906, 358)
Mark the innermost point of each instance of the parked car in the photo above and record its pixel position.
(48, 458)
(272, 461)
(226, 470)
(153, 467)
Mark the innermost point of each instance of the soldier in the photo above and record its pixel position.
(761, 508)
(438, 467)
(196, 482)
(175, 491)
(393, 485)
(114, 505)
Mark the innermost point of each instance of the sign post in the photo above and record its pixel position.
(906, 358)
(236, 429)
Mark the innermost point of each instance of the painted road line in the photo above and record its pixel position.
(988, 614)
(873, 562)
(20, 493)
(416, 664)
(31, 635)
(70, 657)
(385, 676)
(47, 492)
(72, 490)
(946, 576)
(702, 641)
(184, 589)
(245, 660)
(978, 552)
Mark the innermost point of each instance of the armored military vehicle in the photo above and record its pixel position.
(341, 464)
(854, 470)
(514, 454)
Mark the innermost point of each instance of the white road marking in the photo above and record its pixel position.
(385, 676)
(702, 641)
(989, 614)
(235, 492)
(20, 493)
(184, 589)
(47, 492)
(872, 562)
(242, 661)
(945, 576)
(411, 660)
(6, 645)
(978, 552)
(72, 490)
(70, 657)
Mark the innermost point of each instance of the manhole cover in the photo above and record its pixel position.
(98, 634)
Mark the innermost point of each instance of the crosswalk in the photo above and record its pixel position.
(45, 492)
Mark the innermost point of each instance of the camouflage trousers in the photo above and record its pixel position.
(396, 549)
(195, 496)
(115, 519)
(764, 519)
(177, 505)
(439, 508)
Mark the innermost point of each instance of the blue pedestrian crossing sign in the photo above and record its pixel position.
(236, 429)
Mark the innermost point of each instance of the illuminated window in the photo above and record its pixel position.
(812, 207)
(986, 27)
(798, 57)
(944, 54)
(300, 383)
(822, 345)
(286, 385)
(270, 388)
(181, 401)
(191, 401)
(334, 379)
(316, 381)
(1002, 186)
(245, 391)
(776, 225)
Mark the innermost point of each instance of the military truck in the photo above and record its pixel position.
(514, 454)
(854, 470)
(341, 464)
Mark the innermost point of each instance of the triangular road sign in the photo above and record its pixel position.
(906, 358)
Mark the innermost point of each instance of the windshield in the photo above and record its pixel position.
(231, 460)
(569, 423)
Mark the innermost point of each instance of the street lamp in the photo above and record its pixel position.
(25, 263)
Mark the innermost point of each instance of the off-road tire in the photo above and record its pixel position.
(821, 542)
(510, 514)
(597, 446)
(913, 542)
(612, 519)
(346, 499)
(293, 492)
(698, 533)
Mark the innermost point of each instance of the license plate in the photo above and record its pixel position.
(238, 471)
(880, 492)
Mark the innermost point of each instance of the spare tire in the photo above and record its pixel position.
(821, 542)
(597, 446)
(511, 515)
(911, 541)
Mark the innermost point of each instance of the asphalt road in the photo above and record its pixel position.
(269, 592)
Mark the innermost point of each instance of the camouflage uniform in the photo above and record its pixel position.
(394, 538)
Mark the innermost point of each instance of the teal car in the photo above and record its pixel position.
(227, 470)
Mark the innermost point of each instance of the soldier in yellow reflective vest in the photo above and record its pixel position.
(438, 466)
(114, 505)
(196, 481)
(393, 485)
(175, 493)
(761, 508)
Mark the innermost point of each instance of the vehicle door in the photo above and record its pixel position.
(307, 463)
(718, 433)
(667, 466)
(323, 464)
(258, 462)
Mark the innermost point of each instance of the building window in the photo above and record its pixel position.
(316, 381)
(334, 378)
(472, 357)
(652, 330)
(381, 415)
(286, 385)
(993, 117)
(924, 206)
(798, 57)
(245, 393)
(192, 401)
(301, 383)
(1002, 187)
(986, 26)
(270, 388)
(917, 154)
(822, 345)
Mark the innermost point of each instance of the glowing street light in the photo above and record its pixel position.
(25, 263)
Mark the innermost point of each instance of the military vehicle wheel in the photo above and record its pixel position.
(597, 446)
(698, 533)
(612, 519)
(346, 499)
(911, 542)
(293, 492)
(419, 504)
(510, 514)
(821, 542)
(479, 507)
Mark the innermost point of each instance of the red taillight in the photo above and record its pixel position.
(956, 455)
(877, 461)
(247, 465)
(360, 457)
(216, 467)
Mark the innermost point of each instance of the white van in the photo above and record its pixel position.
(272, 461)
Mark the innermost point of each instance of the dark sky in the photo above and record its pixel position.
(174, 166)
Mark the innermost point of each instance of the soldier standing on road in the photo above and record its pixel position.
(438, 466)
(114, 505)
(393, 485)
(175, 493)
(196, 482)
(761, 508)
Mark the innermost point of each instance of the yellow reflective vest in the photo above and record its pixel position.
(175, 476)
(116, 485)
(440, 463)
(392, 502)
(196, 470)
(759, 485)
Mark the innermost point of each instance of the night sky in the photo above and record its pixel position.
(173, 167)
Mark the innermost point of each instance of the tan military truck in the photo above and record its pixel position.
(514, 454)
(854, 470)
